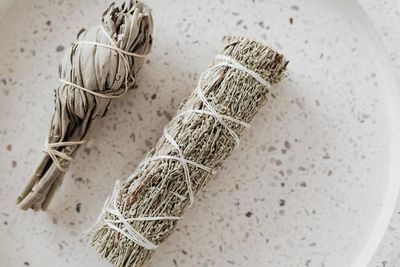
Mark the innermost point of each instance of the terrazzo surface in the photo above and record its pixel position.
(309, 180)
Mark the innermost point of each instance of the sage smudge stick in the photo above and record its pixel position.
(100, 66)
(144, 210)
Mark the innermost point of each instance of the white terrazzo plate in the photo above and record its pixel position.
(314, 182)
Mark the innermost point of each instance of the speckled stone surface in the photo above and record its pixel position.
(309, 180)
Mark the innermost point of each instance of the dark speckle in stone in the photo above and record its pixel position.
(59, 48)
(78, 207)
(26, 263)
(175, 262)
(287, 145)
(184, 252)
(281, 202)
(4, 81)
(167, 115)
(132, 137)
(303, 184)
(13, 163)
(148, 143)
(291, 20)
(295, 8)
(239, 22)
(271, 148)
(363, 117)
(87, 150)
(153, 96)
(5, 223)
(79, 180)
(249, 214)
(48, 23)
(9, 147)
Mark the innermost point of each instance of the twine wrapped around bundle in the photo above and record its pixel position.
(144, 210)
(100, 66)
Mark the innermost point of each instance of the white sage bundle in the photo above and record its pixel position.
(144, 210)
(100, 66)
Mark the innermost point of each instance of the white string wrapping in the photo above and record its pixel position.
(126, 229)
(49, 147)
(53, 153)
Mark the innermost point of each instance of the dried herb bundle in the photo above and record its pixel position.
(100, 66)
(143, 211)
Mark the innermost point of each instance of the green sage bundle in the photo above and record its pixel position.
(100, 66)
(144, 210)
